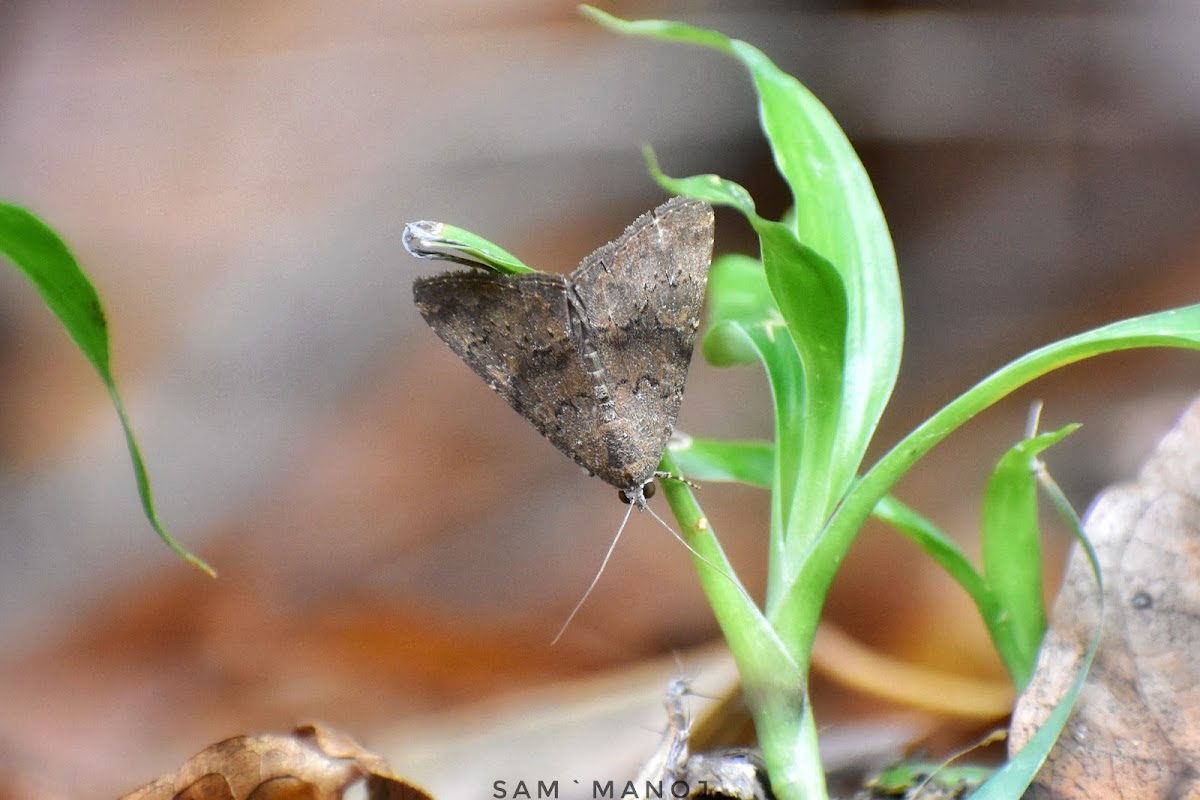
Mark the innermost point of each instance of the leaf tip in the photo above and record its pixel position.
(183, 552)
(596, 15)
(201, 565)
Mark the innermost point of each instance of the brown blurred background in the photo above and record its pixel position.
(396, 547)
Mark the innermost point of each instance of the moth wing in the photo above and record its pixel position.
(514, 331)
(641, 297)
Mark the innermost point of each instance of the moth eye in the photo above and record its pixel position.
(647, 492)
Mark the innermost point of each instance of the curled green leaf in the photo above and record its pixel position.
(437, 240)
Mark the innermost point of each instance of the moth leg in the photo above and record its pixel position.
(669, 476)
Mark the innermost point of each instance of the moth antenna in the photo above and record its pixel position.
(595, 580)
(736, 584)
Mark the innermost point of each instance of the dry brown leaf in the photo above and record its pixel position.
(1135, 730)
(733, 773)
(311, 763)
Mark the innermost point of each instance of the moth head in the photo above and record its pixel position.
(638, 496)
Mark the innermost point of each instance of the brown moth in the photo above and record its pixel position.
(595, 360)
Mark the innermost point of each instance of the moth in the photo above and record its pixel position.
(595, 360)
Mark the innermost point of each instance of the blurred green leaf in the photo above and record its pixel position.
(41, 255)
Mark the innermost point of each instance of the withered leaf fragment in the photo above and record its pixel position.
(1135, 729)
(311, 763)
(727, 774)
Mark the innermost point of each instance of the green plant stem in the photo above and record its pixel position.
(774, 684)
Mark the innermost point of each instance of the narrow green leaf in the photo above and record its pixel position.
(941, 548)
(38, 252)
(1012, 554)
(1014, 777)
(812, 301)
(838, 218)
(806, 377)
(745, 325)
(798, 613)
(751, 463)
(42, 256)
(710, 188)
(1005, 636)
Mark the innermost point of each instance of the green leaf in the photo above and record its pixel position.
(45, 260)
(437, 240)
(1014, 777)
(803, 357)
(942, 549)
(812, 300)
(751, 463)
(798, 612)
(745, 325)
(711, 188)
(808, 307)
(741, 310)
(838, 222)
(1012, 554)
(837, 215)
